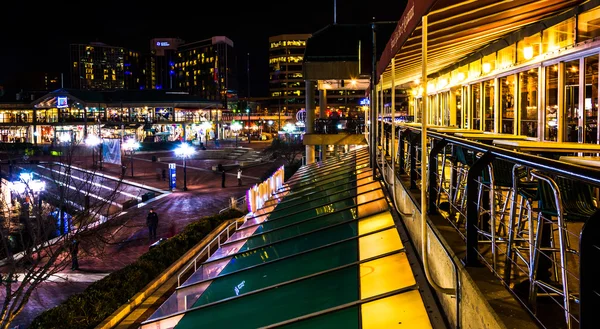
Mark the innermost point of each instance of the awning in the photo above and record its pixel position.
(456, 30)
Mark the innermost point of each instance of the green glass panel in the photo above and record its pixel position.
(346, 319)
(305, 226)
(275, 305)
(289, 247)
(278, 272)
(315, 206)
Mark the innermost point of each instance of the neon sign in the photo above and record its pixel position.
(365, 102)
(61, 102)
(162, 43)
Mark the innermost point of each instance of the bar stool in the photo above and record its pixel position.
(560, 199)
(462, 160)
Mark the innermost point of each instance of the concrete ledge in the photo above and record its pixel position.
(122, 312)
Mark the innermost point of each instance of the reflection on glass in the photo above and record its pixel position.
(551, 96)
(529, 47)
(588, 25)
(465, 92)
(571, 101)
(591, 99)
(476, 106)
(559, 35)
(528, 105)
(488, 105)
(507, 104)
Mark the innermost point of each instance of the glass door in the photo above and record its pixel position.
(591, 100)
(572, 115)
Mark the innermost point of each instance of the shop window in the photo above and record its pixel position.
(488, 105)
(458, 104)
(476, 105)
(488, 64)
(474, 69)
(588, 25)
(591, 99)
(551, 104)
(507, 104)
(528, 104)
(558, 36)
(571, 101)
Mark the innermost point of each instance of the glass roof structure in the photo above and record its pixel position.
(324, 252)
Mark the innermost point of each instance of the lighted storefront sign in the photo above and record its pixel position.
(162, 44)
(62, 102)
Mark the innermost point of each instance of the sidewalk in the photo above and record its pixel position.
(130, 240)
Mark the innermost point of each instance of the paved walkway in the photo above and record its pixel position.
(130, 240)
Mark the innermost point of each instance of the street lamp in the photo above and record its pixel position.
(93, 141)
(130, 146)
(270, 122)
(236, 126)
(248, 111)
(184, 151)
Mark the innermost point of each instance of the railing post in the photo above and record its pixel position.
(589, 272)
(472, 255)
(432, 172)
(413, 161)
(401, 139)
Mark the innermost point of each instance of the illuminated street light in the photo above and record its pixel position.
(93, 141)
(236, 127)
(130, 146)
(270, 122)
(184, 151)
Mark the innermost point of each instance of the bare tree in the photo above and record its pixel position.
(43, 216)
(290, 149)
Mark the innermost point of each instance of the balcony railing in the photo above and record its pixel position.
(336, 126)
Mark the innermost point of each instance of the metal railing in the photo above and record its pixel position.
(239, 203)
(336, 126)
(208, 251)
(517, 227)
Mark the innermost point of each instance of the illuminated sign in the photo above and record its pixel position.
(162, 44)
(365, 102)
(61, 102)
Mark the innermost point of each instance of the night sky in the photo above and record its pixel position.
(36, 36)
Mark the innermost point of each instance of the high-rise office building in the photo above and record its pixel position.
(286, 83)
(97, 66)
(160, 65)
(206, 68)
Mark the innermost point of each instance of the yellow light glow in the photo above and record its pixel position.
(414, 92)
(460, 76)
(353, 82)
(417, 81)
(404, 310)
(528, 52)
(384, 275)
(487, 67)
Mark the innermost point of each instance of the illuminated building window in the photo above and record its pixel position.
(559, 36)
(587, 25)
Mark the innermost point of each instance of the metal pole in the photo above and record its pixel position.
(334, 12)
(184, 175)
(373, 116)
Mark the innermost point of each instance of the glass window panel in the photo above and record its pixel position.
(551, 96)
(528, 105)
(507, 106)
(571, 100)
(474, 69)
(488, 105)
(465, 93)
(458, 108)
(591, 99)
(558, 36)
(588, 25)
(476, 105)
(529, 47)
(506, 56)
(489, 63)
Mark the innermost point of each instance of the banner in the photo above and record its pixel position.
(111, 150)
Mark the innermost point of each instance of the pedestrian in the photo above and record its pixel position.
(152, 223)
(74, 252)
(223, 178)
(239, 176)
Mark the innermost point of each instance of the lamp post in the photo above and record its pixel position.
(236, 126)
(270, 126)
(184, 151)
(248, 111)
(130, 146)
(93, 141)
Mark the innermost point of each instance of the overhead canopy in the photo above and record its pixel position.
(457, 30)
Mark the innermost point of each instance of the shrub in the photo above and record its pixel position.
(103, 297)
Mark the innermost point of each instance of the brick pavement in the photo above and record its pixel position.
(130, 240)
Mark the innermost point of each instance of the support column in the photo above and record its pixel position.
(393, 148)
(373, 102)
(322, 115)
(310, 118)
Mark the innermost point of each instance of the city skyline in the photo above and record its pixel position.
(44, 47)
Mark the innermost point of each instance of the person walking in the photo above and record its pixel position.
(74, 252)
(223, 178)
(152, 223)
(239, 176)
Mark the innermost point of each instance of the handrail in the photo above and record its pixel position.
(207, 248)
